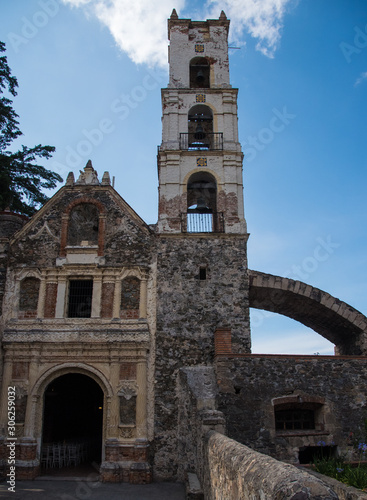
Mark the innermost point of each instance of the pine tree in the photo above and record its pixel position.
(21, 179)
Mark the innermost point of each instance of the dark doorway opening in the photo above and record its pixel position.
(72, 422)
(308, 454)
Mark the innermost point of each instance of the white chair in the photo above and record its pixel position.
(46, 456)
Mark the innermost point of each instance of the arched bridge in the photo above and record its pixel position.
(335, 320)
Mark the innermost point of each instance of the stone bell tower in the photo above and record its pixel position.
(200, 158)
(202, 280)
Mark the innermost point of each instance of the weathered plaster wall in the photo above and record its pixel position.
(248, 385)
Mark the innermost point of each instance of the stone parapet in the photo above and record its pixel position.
(235, 471)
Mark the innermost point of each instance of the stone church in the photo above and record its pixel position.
(107, 320)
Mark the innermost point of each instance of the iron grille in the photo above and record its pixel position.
(196, 222)
(297, 419)
(206, 141)
(80, 298)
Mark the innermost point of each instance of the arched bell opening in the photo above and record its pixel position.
(199, 73)
(202, 193)
(200, 127)
(202, 215)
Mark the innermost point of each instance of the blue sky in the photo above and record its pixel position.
(90, 73)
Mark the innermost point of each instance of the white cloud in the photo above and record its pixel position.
(362, 78)
(262, 19)
(140, 27)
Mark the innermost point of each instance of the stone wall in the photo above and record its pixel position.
(189, 311)
(250, 387)
(217, 467)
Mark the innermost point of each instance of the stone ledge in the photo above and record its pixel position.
(193, 487)
(244, 473)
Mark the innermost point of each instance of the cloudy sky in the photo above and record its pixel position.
(90, 73)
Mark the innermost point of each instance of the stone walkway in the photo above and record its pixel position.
(80, 489)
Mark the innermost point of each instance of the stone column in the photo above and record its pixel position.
(60, 301)
(117, 299)
(141, 400)
(41, 299)
(96, 298)
(143, 299)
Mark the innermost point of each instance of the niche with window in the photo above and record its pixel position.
(130, 298)
(80, 298)
(28, 297)
(83, 225)
(199, 73)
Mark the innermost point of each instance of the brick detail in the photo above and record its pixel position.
(126, 463)
(136, 473)
(108, 290)
(122, 453)
(27, 314)
(130, 314)
(223, 341)
(50, 300)
(27, 473)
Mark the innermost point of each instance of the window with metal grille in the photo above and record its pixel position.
(294, 419)
(80, 298)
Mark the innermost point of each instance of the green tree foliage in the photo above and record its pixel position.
(21, 179)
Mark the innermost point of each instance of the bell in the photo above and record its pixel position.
(200, 204)
(199, 132)
(199, 76)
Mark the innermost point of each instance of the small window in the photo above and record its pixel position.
(294, 419)
(80, 298)
(202, 274)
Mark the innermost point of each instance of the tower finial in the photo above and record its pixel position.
(174, 14)
(222, 16)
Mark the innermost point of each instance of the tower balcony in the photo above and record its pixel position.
(202, 222)
(194, 141)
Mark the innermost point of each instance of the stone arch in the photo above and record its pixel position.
(333, 319)
(36, 400)
(200, 170)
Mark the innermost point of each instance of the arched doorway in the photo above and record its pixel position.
(72, 422)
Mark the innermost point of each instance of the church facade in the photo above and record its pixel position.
(101, 311)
